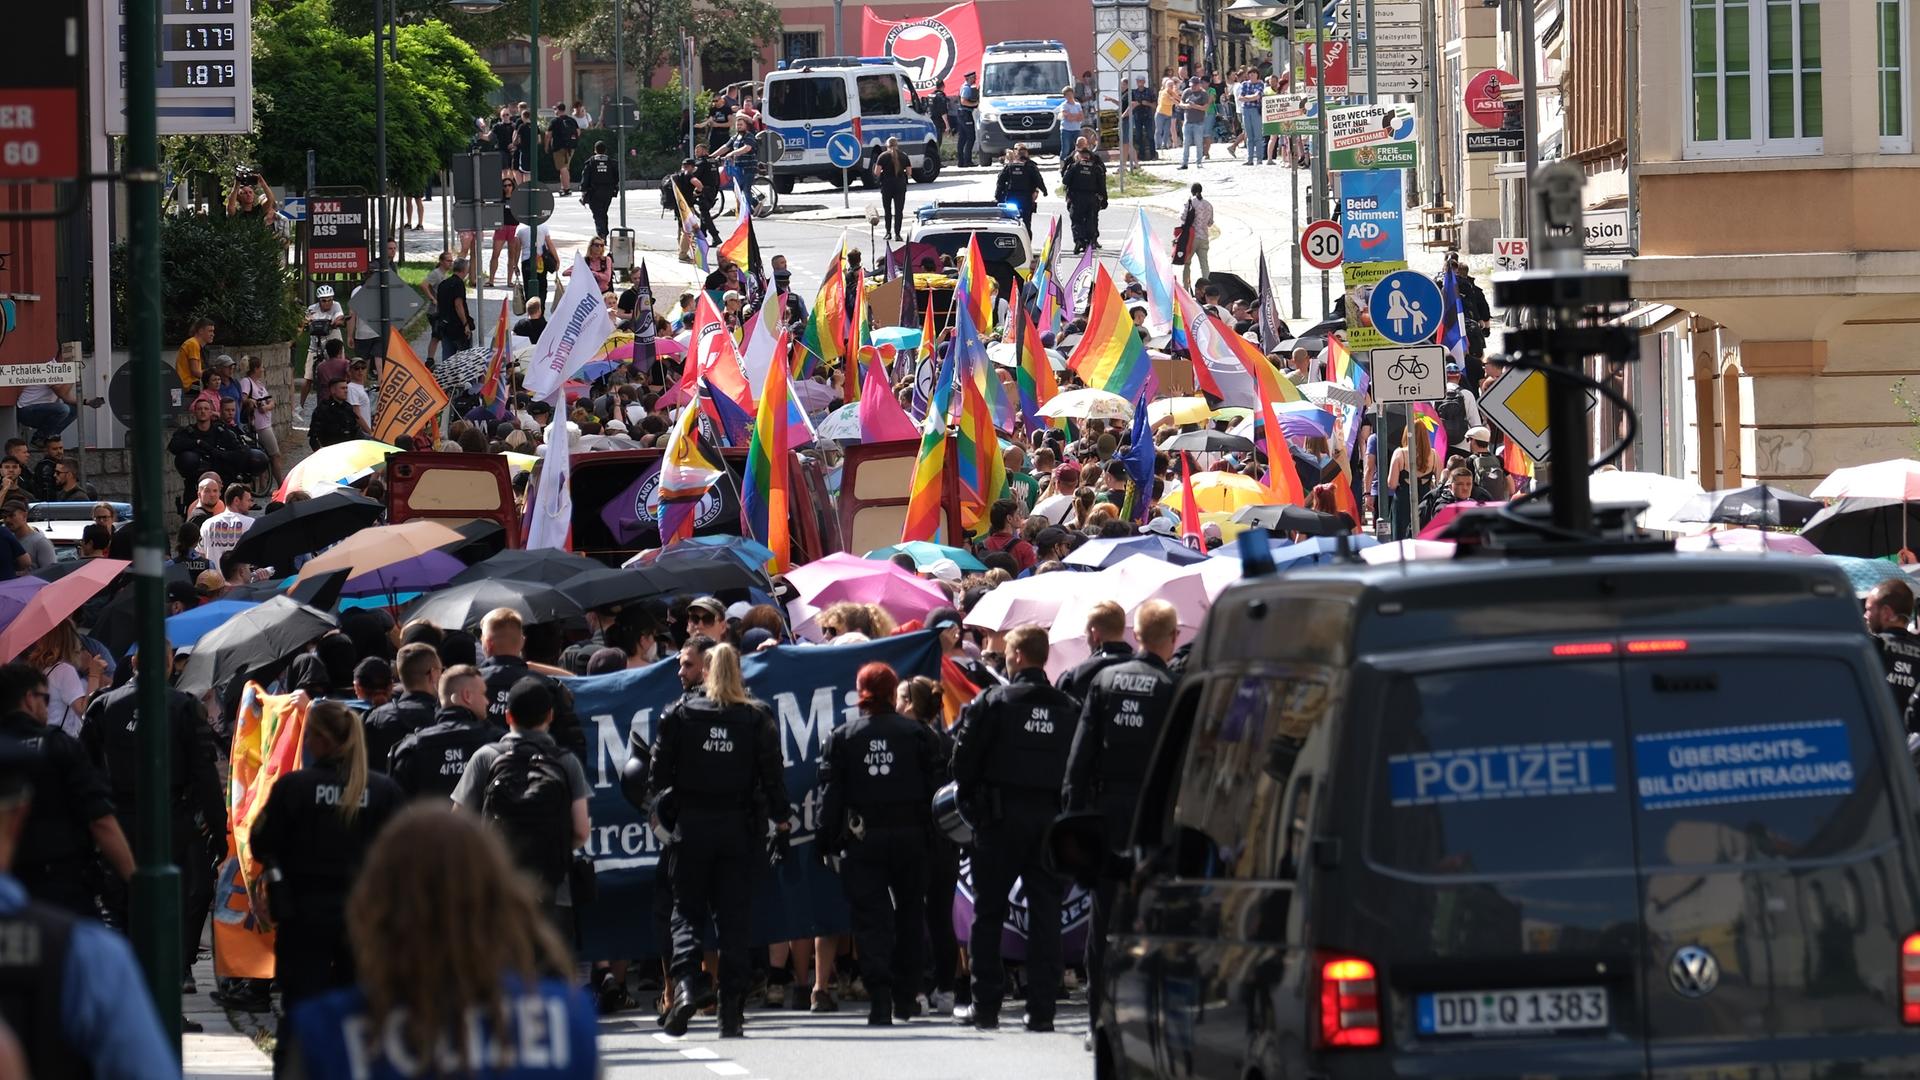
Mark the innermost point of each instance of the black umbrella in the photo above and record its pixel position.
(694, 571)
(1867, 528)
(544, 566)
(605, 587)
(1757, 505)
(462, 606)
(1209, 441)
(482, 538)
(255, 638)
(305, 527)
(1293, 519)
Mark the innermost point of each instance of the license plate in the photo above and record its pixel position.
(1508, 1012)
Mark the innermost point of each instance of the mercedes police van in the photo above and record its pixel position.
(810, 101)
(1020, 96)
(1600, 815)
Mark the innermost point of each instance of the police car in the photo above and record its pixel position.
(1020, 96)
(810, 101)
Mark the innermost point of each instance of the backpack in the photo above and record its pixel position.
(528, 799)
(1453, 416)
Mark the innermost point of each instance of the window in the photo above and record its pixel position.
(1890, 28)
(879, 95)
(1730, 45)
(799, 45)
(816, 97)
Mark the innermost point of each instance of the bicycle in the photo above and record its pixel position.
(1407, 367)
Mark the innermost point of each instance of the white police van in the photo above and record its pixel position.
(1020, 96)
(810, 101)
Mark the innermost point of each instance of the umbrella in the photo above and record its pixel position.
(811, 394)
(1325, 393)
(383, 545)
(463, 367)
(461, 606)
(479, 538)
(840, 576)
(1285, 517)
(924, 553)
(1758, 505)
(188, 627)
(841, 425)
(1005, 355)
(1029, 600)
(1898, 479)
(16, 592)
(1438, 527)
(1109, 551)
(1309, 341)
(1319, 549)
(1664, 495)
(1867, 528)
(1226, 491)
(605, 586)
(1128, 582)
(429, 570)
(1231, 412)
(1409, 551)
(303, 527)
(545, 566)
(330, 466)
(1088, 404)
(703, 570)
(1864, 574)
(1747, 541)
(258, 637)
(1209, 442)
(749, 552)
(53, 602)
(1181, 410)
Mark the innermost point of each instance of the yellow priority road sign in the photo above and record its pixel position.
(1517, 405)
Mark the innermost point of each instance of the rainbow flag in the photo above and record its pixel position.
(977, 286)
(1189, 505)
(1188, 313)
(1110, 356)
(741, 249)
(983, 471)
(1341, 367)
(1427, 419)
(859, 335)
(924, 510)
(1283, 483)
(764, 495)
(1034, 372)
(956, 690)
(493, 387)
(827, 322)
(686, 475)
(1515, 460)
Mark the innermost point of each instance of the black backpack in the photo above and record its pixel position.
(528, 799)
(1453, 416)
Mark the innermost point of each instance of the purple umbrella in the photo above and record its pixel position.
(428, 570)
(14, 594)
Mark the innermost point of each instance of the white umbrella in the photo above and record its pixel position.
(1664, 495)
(1898, 480)
(1035, 600)
(1004, 354)
(1088, 404)
(1320, 393)
(1130, 582)
(841, 425)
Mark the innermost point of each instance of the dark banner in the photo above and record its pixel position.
(810, 689)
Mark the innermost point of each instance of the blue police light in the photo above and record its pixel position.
(1012, 208)
(1256, 553)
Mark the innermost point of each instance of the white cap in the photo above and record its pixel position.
(942, 568)
(738, 609)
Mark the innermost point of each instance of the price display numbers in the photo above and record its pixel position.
(195, 73)
(200, 7)
(197, 37)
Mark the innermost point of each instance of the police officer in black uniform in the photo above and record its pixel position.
(418, 668)
(110, 733)
(1124, 710)
(599, 183)
(1009, 760)
(1107, 636)
(1889, 612)
(429, 762)
(72, 812)
(965, 119)
(719, 752)
(502, 636)
(878, 775)
(636, 784)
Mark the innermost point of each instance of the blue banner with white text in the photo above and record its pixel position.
(1372, 212)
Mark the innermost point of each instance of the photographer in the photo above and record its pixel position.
(250, 197)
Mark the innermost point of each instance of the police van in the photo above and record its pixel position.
(1020, 96)
(810, 101)
(1618, 815)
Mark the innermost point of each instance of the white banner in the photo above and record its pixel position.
(576, 329)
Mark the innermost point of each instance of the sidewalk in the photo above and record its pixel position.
(220, 1051)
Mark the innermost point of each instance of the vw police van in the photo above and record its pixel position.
(872, 97)
(1020, 84)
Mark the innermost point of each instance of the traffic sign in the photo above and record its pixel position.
(1483, 97)
(843, 150)
(1517, 404)
(1388, 34)
(1321, 244)
(1389, 58)
(294, 208)
(1405, 308)
(1409, 373)
(1399, 82)
(403, 300)
(532, 203)
(1118, 50)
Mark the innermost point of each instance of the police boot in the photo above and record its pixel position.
(880, 1009)
(689, 997)
(733, 1016)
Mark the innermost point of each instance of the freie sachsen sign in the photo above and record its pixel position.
(337, 235)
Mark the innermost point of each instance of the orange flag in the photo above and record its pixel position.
(410, 397)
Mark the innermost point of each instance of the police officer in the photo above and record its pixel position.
(429, 762)
(1020, 181)
(636, 783)
(599, 183)
(1107, 638)
(1125, 708)
(969, 105)
(878, 774)
(69, 988)
(73, 813)
(502, 636)
(1009, 760)
(1889, 612)
(387, 724)
(110, 733)
(719, 752)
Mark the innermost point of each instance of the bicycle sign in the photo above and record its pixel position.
(1405, 308)
(1409, 373)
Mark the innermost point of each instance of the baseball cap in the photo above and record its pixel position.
(183, 592)
(1050, 536)
(324, 292)
(731, 294)
(223, 361)
(738, 609)
(1160, 526)
(709, 605)
(942, 617)
(1480, 434)
(944, 569)
(615, 427)
(209, 582)
(539, 407)
(516, 440)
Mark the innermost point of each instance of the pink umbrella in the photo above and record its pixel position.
(1444, 516)
(55, 602)
(661, 347)
(1035, 600)
(865, 581)
(1747, 541)
(811, 395)
(1130, 582)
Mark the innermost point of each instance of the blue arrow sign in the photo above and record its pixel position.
(293, 208)
(1405, 308)
(843, 150)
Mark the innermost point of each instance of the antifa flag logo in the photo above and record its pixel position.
(926, 48)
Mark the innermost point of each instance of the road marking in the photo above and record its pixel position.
(665, 1038)
(699, 1053)
(727, 1068)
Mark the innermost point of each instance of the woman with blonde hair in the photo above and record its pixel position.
(312, 835)
(452, 956)
(59, 656)
(1414, 446)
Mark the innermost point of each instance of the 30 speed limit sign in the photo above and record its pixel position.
(1320, 245)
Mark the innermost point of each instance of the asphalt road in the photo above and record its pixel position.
(840, 1046)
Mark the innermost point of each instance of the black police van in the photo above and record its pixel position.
(1610, 816)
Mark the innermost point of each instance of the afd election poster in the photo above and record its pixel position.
(810, 689)
(936, 50)
(1372, 208)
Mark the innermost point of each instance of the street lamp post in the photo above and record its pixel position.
(382, 38)
(620, 104)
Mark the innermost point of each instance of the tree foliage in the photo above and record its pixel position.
(558, 18)
(315, 90)
(653, 29)
(231, 270)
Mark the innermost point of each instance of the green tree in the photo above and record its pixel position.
(654, 28)
(558, 18)
(314, 90)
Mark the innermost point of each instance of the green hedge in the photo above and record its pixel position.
(231, 270)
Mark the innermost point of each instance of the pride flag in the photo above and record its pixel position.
(858, 336)
(1034, 372)
(686, 475)
(977, 286)
(1283, 483)
(1147, 260)
(983, 472)
(924, 510)
(827, 322)
(764, 495)
(1110, 356)
(956, 690)
(1189, 505)
(493, 386)
(690, 224)
(741, 249)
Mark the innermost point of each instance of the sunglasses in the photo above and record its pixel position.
(702, 616)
